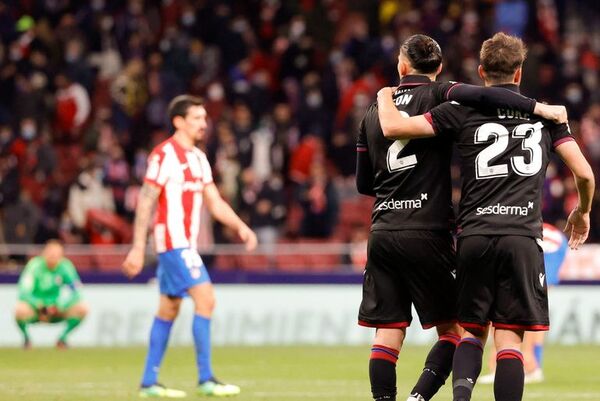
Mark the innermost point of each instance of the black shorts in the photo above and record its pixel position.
(502, 279)
(404, 268)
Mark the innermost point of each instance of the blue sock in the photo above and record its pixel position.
(159, 337)
(538, 351)
(201, 332)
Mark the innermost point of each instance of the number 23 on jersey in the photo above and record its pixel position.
(500, 135)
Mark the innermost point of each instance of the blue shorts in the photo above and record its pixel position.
(553, 262)
(178, 270)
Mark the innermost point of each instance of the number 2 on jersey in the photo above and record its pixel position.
(500, 134)
(396, 163)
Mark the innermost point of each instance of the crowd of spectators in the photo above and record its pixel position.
(84, 88)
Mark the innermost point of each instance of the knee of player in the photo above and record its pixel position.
(82, 309)
(23, 310)
(206, 306)
(391, 338)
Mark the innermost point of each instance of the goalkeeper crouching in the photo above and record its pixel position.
(50, 291)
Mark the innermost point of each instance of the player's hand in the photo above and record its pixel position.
(577, 228)
(43, 315)
(53, 312)
(132, 266)
(47, 313)
(385, 92)
(557, 114)
(248, 236)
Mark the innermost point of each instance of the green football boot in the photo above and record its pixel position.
(215, 388)
(158, 390)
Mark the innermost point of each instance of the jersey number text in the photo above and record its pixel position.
(499, 133)
(396, 163)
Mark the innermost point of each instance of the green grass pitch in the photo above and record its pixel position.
(264, 373)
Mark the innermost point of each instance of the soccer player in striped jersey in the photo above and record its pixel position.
(178, 179)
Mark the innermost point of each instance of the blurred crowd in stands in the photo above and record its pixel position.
(84, 87)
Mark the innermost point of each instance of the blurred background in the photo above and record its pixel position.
(84, 88)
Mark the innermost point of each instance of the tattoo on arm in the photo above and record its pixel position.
(143, 212)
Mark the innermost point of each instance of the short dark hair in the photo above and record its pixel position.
(423, 52)
(180, 104)
(501, 56)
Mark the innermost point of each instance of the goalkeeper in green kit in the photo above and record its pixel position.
(49, 291)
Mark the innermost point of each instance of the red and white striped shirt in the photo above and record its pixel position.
(181, 174)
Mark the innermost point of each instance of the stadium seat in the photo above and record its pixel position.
(226, 262)
(109, 261)
(292, 263)
(83, 263)
(258, 263)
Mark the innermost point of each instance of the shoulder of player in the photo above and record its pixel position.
(161, 148)
(35, 263)
(66, 264)
(454, 107)
(199, 152)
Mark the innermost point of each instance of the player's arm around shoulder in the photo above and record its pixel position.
(578, 222)
(394, 124)
(148, 196)
(222, 212)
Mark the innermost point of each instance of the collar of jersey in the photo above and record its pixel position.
(510, 87)
(414, 80)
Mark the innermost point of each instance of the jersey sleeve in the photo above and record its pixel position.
(207, 176)
(483, 97)
(71, 280)
(441, 89)
(447, 118)
(361, 142)
(157, 170)
(26, 286)
(364, 167)
(560, 133)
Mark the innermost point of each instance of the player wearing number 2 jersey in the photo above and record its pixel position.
(410, 252)
(179, 179)
(504, 154)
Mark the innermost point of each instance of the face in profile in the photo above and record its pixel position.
(53, 253)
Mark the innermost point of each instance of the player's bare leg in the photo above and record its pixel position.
(509, 380)
(203, 296)
(466, 365)
(489, 378)
(382, 364)
(25, 315)
(533, 343)
(73, 316)
(438, 364)
(168, 309)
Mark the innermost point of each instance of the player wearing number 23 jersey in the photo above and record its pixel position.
(504, 155)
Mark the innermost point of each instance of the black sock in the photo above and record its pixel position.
(508, 383)
(437, 366)
(466, 367)
(382, 372)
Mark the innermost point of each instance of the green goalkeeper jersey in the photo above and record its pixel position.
(41, 286)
